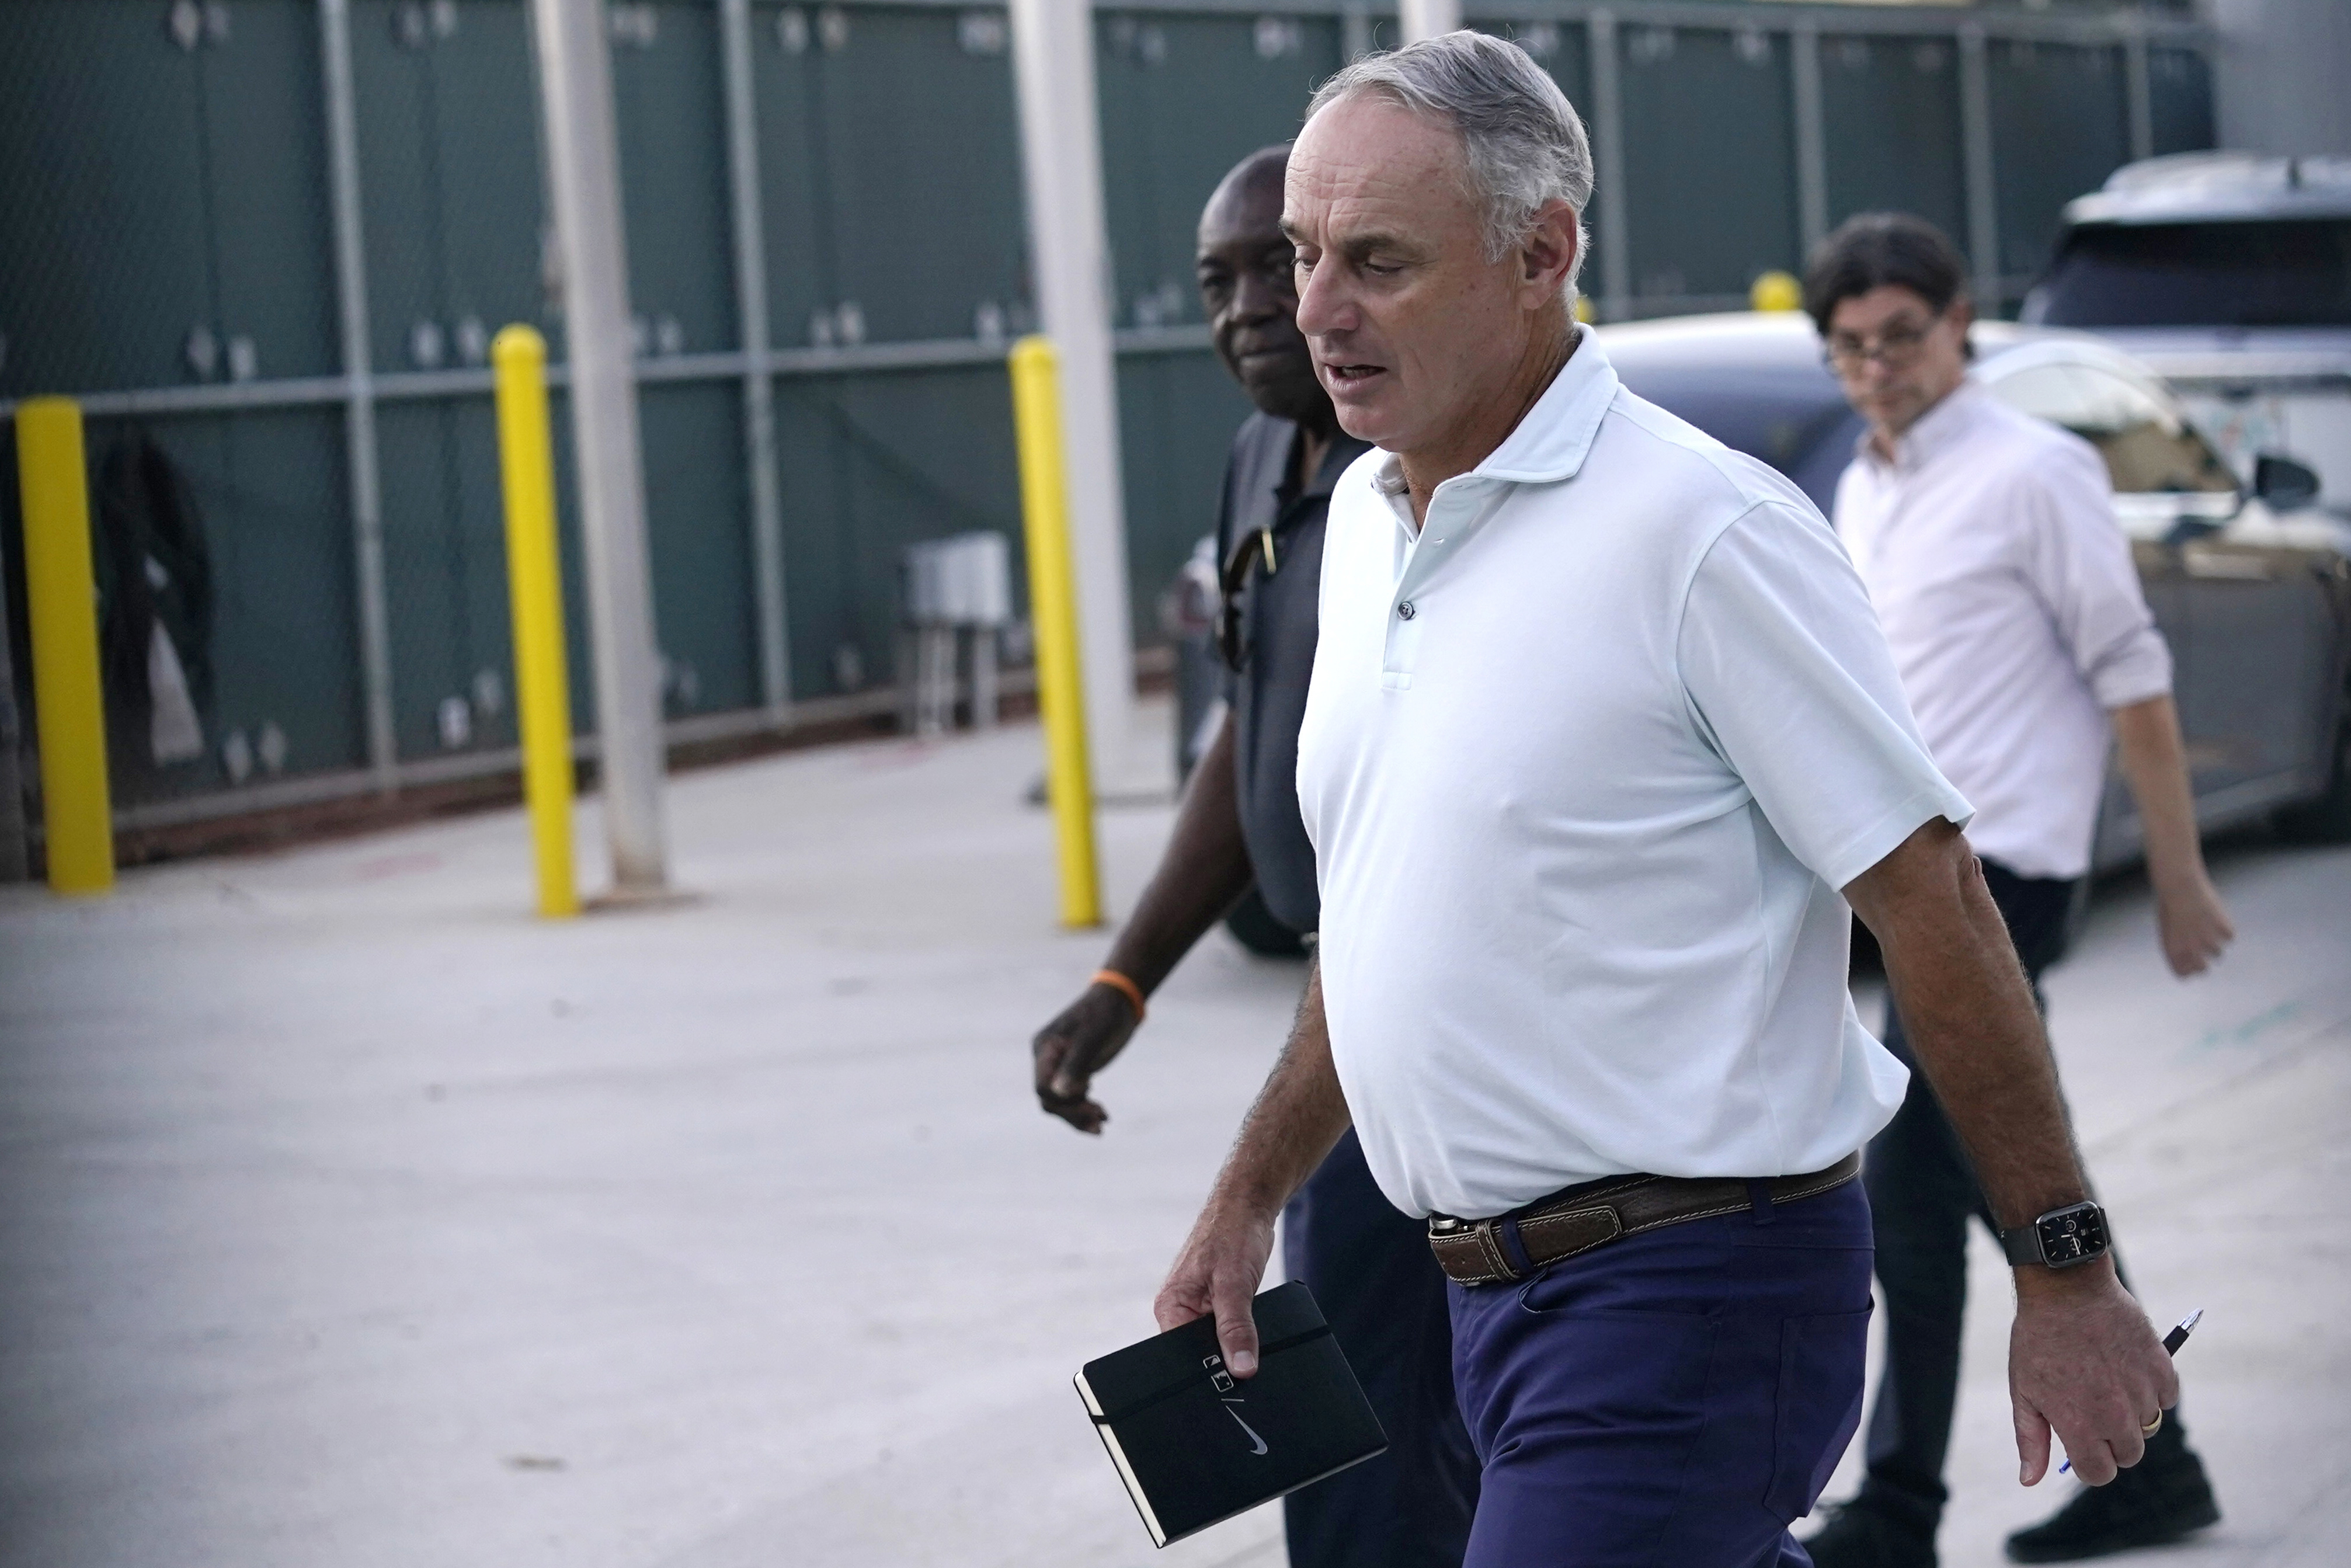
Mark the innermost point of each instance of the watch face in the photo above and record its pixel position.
(2072, 1235)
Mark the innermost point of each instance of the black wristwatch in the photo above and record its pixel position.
(2059, 1238)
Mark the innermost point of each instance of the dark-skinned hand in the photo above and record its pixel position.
(1084, 1039)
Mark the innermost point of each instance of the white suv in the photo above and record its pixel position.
(2230, 275)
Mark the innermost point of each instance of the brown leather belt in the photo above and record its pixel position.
(1578, 1218)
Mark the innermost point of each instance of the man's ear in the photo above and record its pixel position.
(1548, 255)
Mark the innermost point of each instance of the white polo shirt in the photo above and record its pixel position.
(1585, 762)
(2006, 588)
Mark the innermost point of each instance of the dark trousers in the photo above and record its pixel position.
(1674, 1399)
(1372, 1273)
(1922, 1192)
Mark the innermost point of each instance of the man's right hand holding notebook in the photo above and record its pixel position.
(1296, 1120)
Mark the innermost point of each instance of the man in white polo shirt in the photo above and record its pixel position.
(1601, 728)
(1988, 541)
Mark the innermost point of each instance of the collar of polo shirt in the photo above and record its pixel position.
(1550, 444)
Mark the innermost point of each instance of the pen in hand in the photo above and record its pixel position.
(2171, 1344)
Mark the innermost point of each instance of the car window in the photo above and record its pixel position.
(2149, 447)
(2289, 273)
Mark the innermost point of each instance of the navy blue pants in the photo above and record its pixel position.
(1372, 1272)
(1674, 1399)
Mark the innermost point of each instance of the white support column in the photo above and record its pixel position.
(1812, 137)
(1427, 18)
(1608, 149)
(1984, 197)
(359, 396)
(584, 164)
(1069, 248)
(758, 378)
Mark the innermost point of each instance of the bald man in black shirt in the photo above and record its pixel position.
(1239, 826)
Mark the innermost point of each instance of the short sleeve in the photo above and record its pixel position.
(1790, 681)
(2079, 564)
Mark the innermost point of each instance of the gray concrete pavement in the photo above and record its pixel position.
(354, 1218)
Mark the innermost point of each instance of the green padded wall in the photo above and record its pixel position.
(1895, 105)
(2060, 126)
(165, 187)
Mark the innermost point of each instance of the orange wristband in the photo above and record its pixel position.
(1124, 986)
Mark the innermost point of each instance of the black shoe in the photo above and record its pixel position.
(2150, 1504)
(1860, 1536)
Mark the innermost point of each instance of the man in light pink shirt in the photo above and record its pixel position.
(1987, 542)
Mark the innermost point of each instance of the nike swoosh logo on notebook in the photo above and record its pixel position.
(1246, 1428)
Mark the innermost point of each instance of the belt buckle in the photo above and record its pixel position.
(1485, 1234)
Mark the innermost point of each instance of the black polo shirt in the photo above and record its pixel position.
(1263, 500)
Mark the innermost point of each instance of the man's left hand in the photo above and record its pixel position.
(2083, 1360)
(2193, 924)
(1080, 1042)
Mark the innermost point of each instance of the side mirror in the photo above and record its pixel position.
(2283, 484)
(2191, 527)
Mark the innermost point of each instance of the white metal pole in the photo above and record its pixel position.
(1427, 18)
(1061, 156)
(575, 85)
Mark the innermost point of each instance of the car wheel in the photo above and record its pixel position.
(1254, 928)
(2327, 819)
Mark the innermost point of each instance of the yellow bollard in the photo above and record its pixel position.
(535, 583)
(1053, 607)
(62, 600)
(1776, 291)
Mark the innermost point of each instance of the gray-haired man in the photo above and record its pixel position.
(1601, 725)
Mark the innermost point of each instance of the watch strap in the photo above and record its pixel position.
(2022, 1244)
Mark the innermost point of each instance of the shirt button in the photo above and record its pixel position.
(1405, 609)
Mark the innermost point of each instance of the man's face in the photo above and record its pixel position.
(1251, 297)
(1895, 355)
(1413, 328)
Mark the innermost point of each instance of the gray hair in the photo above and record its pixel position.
(1524, 142)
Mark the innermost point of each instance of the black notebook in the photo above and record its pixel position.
(1194, 1445)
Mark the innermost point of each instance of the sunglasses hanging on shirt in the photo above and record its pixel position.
(1251, 551)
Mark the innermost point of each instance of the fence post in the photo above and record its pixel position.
(535, 588)
(1053, 609)
(61, 601)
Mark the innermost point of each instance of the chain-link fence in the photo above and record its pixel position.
(267, 242)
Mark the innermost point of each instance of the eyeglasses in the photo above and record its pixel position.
(1900, 343)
